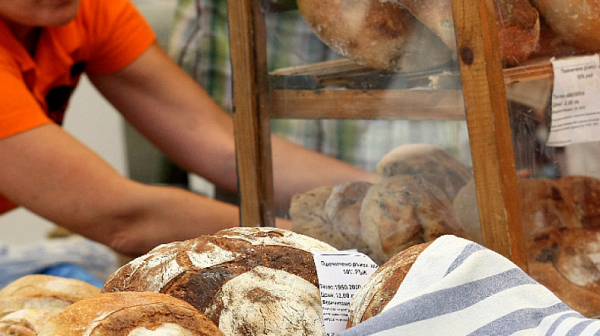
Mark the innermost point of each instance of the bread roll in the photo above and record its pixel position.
(130, 314)
(40, 291)
(402, 211)
(249, 281)
(576, 22)
(25, 322)
(381, 287)
(432, 163)
(518, 30)
(378, 34)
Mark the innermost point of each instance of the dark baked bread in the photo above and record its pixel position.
(518, 30)
(378, 34)
(249, 281)
(402, 211)
(40, 291)
(584, 192)
(381, 287)
(116, 314)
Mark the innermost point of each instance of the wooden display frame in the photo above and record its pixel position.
(483, 96)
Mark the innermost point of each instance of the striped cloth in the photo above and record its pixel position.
(457, 287)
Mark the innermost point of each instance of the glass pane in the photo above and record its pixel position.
(368, 83)
(558, 184)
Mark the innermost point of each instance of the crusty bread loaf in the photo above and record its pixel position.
(429, 162)
(402, 211)
(249, 281)
(381, 287)
(576, 22)
(565, 261)
(40, 291)
(130, 314)
(378, 34)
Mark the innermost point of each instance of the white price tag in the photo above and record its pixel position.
(341, 274)
(575, 101)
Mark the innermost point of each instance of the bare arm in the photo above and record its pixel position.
(169, 108)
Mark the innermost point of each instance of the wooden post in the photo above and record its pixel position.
(489, 127)
(251, 116)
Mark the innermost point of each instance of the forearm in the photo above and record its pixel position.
(297, 169)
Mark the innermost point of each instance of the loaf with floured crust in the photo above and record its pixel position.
(39, 291)
(130, 314)
(379, 34)
(249, 281)
(381, 287)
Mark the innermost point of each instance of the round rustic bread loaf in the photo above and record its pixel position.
(566, 262)
(25, 322)
(39, 291)
(381, 287)
(402, 211)
(518, 30)
(249, 281)
(378, 34)
(432, 163)
(130, 314)
(576, 21)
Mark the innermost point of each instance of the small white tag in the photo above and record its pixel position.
(575, 101)
(341, 274)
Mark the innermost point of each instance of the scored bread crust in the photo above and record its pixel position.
(198, 271)
(112, 314)
(25, 322)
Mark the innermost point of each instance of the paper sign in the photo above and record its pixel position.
(341, 274)
(575, 101)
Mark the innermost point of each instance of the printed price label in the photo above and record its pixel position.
(575, 101)
(341, 274)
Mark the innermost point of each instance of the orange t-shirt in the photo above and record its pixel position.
(104, 37)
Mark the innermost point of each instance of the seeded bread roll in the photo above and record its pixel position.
(402, 211)
(40, 291)
(25, 322)
(248, 281)
(432, 163)
(378, 34)
(381, 287)
(130, 314)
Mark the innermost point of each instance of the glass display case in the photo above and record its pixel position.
(473, 84)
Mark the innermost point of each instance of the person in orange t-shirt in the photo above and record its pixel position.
(45, 45)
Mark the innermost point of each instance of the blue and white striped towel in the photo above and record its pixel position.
(457, 287)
